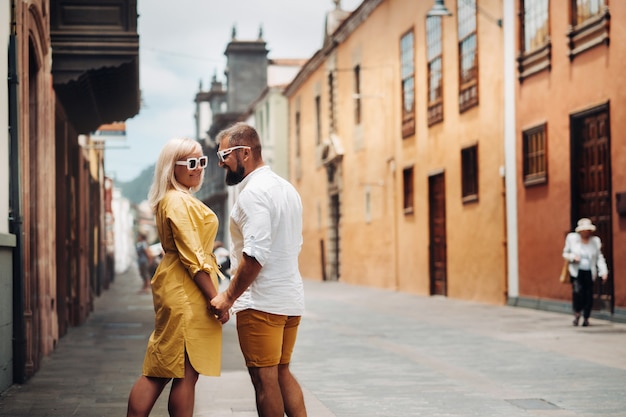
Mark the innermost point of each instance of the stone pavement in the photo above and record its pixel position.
(360, 352)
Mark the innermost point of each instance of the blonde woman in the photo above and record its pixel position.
(187, 338)
(583, 251)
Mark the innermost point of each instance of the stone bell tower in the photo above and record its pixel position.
(246, 71)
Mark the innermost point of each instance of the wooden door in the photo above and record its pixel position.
(333, 239)
(591, 186)
(32, 306)
(437, 228)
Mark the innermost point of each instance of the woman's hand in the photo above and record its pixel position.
(222, 316)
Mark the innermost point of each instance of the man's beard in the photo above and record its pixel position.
(235, 177)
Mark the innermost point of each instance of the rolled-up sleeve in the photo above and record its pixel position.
(185, 223)
(256, 226)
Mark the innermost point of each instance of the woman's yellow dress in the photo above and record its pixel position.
(187, 229)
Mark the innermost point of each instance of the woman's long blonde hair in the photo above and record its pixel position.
(164, 180)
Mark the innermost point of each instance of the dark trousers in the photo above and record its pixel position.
(582, 293)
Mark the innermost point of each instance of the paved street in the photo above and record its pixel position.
(361, 352)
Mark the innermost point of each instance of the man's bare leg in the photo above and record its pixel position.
(293, 399)
(269, 400)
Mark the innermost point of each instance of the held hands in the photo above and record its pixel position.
(220, 306)
(221, 302)
(222, 316)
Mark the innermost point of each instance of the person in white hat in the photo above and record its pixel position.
(583, 251)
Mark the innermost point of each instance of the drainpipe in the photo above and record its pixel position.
(16, 217)
(512, 284)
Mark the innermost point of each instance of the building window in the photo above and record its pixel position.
(435, 87)
(535, 54)
(269, 138)
(469, 173)
(357, 95)
(298, 133)
(368, 205)
(535, 29)
(318, 120)
(407, 59)
(468, 57)
(331, 102)
(407, 177)
(535, 155)
(586, 9)
(589, 25)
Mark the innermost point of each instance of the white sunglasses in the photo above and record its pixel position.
(221, 155)
(193, 163)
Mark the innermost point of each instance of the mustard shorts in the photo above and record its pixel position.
(266, 339)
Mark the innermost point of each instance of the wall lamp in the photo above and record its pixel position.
(440, 9)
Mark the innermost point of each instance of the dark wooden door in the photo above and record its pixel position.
(334, 254)
(437, 227)
(32, 305)
(591, 186)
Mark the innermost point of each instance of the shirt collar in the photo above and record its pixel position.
(252, 174)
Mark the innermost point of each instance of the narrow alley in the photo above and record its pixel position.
(361, 352)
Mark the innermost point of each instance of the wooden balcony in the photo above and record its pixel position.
(95, 60)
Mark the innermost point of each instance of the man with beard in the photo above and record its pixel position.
(266, 291)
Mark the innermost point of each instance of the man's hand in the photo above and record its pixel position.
(222, 315)
(220, 303)
(247, 272)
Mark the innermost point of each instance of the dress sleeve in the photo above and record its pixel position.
(186, 221)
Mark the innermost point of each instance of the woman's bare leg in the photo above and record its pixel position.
(183, 393)
(144, 394)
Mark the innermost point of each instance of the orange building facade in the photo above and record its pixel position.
(571, 152)
(396, 147)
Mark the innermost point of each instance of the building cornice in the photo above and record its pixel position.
(342, 33)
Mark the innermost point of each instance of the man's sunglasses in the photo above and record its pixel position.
(221, 155)
(193, 163)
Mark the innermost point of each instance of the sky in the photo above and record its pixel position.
(182, 43)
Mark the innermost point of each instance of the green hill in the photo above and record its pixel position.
(136, 190)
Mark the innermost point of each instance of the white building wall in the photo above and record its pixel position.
(205, 118)
(7, 242)
(279, 131)
(271, 116)
(123, 231)
(281, 74)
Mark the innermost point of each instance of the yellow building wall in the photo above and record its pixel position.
(475, 231)
(388, 248)
(311, 182)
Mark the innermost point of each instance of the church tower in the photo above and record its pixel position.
(246, 71)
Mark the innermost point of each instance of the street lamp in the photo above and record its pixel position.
(440, 9)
